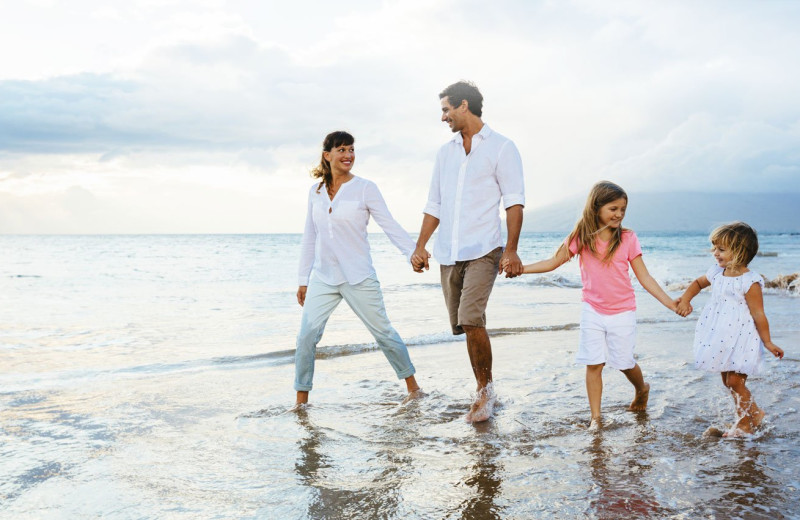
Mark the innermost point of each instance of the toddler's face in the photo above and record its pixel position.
(722, 255)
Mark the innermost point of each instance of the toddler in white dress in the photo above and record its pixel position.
(732, 331)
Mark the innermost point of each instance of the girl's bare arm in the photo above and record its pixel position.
(684, 302)
(651, 285)
(561, 257)
(755, 302)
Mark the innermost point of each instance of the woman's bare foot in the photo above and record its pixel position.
(302, 400)
(299, 406)
(639, 403)
(416, 394)
(483, 405)
(596, 424)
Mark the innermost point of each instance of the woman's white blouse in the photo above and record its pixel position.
(335, 242)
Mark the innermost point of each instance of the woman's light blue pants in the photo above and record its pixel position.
(366, 300)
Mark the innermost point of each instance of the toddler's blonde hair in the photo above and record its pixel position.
(740, 239)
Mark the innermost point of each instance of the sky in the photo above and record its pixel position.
(205, 116)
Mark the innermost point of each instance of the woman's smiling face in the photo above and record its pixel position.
(341, 158)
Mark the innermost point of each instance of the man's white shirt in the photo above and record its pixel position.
(466, 191)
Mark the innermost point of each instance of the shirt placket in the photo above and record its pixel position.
(328, 217)
(462, 173)
(334, 258)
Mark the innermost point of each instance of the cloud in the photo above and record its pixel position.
(719, 155)
(237, 97)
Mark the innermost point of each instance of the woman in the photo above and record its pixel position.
(335, 247)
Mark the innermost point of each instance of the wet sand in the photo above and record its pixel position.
(224, 441)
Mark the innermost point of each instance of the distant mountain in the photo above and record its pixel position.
(682, 211)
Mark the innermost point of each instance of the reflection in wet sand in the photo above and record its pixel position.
(749, 491)
(618, 486)
(337, 497)
(484, 477)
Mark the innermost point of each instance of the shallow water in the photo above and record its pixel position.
(150, 377)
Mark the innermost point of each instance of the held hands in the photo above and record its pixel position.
(301, 294)
(419, 259)
(510, 264)
(683, 308)
(774, 349)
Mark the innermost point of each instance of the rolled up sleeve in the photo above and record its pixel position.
(510, 176)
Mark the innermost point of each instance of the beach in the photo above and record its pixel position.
(148, 377)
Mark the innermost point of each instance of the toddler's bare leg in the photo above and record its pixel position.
(749, 415)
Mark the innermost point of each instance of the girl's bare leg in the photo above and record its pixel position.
(634, 375)
(594, 389)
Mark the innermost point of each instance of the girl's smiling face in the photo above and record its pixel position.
(611, 214)
(722, 255)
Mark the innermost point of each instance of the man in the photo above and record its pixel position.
(473, 172)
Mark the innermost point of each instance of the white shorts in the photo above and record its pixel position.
(607, 338)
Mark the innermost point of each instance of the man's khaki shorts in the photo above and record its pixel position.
(467, 286)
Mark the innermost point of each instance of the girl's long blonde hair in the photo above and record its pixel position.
(588, 226)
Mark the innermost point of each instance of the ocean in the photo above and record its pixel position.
(150, 376)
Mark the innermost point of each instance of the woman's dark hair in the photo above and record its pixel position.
(323, 170)
(458, 92)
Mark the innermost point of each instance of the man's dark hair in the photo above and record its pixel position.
(458, 92)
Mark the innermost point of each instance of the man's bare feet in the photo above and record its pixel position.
(639, 403)
(483, 405)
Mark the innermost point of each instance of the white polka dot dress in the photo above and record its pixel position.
(726, 339)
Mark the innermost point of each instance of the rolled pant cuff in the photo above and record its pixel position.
(406, 373)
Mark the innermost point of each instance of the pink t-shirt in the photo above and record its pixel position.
(607, 286)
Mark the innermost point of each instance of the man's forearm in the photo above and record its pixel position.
(429, 225)
(514, 226)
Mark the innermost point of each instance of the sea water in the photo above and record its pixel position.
(150, 377)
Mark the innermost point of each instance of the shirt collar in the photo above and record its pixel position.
(483, 134)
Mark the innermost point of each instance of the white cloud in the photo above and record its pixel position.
(206, 116)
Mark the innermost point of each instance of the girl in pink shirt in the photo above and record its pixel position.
(608, 318)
